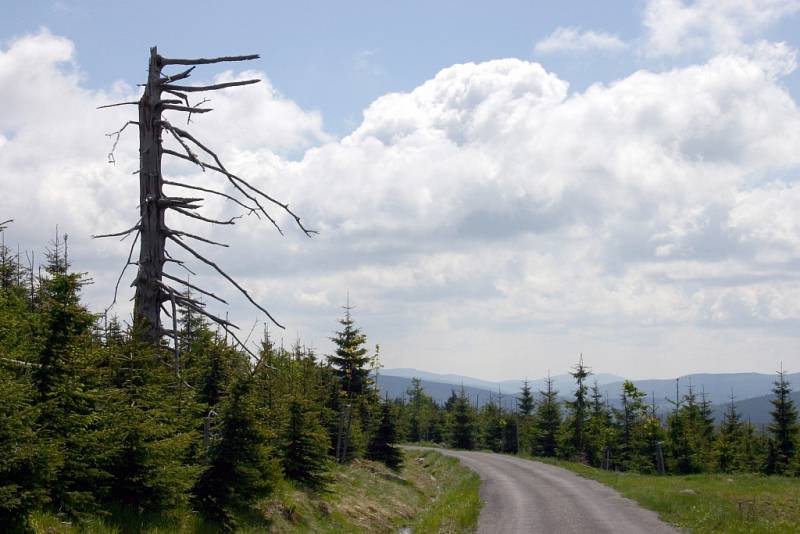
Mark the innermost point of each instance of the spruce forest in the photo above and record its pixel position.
(93, 420)
(633, 435)
(144, 417)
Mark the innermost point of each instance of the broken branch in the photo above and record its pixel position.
(196, 88)
(187, 284)
(128, 262)
(221, 168)
(213, 192)
(118, 133)
(200, 217)
(224, 274)
(204, 61)
(180, 76)
(132, 103)
(175, 107)
(117, 234)
(179, 233)
(230, 179)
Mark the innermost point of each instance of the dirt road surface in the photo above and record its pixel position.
(524, 496)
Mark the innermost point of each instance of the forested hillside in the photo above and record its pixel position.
(93, 422)
(631, 434)
(750, 391)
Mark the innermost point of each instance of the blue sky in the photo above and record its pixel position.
(515, 183)
(337, 57)
(332, 56)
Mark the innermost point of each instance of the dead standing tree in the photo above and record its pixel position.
(154, 286)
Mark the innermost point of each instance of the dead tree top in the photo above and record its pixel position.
(152, 288)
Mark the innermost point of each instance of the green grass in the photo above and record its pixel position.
(457, 505)
(710, 503)
(431, 496)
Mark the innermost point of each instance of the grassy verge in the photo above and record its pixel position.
(456, 505)
(710, 503)
(431, 494)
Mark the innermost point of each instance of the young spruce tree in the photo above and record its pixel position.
(382, 446)
(548, 420)
(729, 442)
(783, 429)
(305, 447)
(65, 392)
(461, 423)
(241, 468)
(350, 364)
(578, 411)
(24, 459)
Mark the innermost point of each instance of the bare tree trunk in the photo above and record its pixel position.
(151, 289)
(146, 308)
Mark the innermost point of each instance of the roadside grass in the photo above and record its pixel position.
(740, 503)
(432, 494)
(456, 506)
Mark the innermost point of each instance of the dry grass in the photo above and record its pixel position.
(434, 494)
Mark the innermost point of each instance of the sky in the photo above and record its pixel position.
(499, 188)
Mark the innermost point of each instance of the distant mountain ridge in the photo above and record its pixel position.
(756, 410)
(395, 387)
(717, 387)
(511, 387)
(752, 390)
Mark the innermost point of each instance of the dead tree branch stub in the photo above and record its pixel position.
(151, 231)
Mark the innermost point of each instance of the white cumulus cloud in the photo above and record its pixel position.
(572, 39)
(675, 27)
(648, 222)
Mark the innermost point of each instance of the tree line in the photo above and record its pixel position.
(94, 422)
(630, 436)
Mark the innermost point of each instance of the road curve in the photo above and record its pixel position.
(524, 496)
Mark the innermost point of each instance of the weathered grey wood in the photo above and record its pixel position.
(195, 88)
(206, 61)
(147, 304)
(151, 290)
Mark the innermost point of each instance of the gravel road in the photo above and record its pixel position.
(523, 496)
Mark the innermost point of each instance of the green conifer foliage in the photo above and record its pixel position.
(751, 452)
(351, 361)
(66, 391)
(241, 468)
(65, 322)
(525, 407)
(382, 445)
(525, 403)
(152, 428)
(548, 420)
(598, 429)
(688, 438)
(461, 427)
(416, 405)
(707, 432)
(631, 419)
(351, 364)
(216, 366)
(492, 427)
(305, 447)
(729, 442)
(784, 427)
(24, 460)
(9, 265)
(578, 410)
